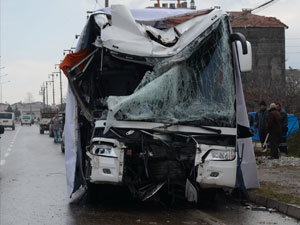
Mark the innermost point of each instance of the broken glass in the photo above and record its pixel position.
(194, 87)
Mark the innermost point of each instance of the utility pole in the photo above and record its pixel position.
(42, 92)
(1, 84)
(68, 51)
(106, 3)
(52, 75)
(60, 84)
(1, 68)
(47, 91)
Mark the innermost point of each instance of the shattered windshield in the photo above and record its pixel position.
(198, 90)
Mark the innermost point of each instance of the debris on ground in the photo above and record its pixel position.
(254, 207)
(279, 178)
(283, 161)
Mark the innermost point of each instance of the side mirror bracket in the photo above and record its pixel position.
(244, 51)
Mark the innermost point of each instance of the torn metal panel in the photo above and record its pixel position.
(106, 161)
(127, 36)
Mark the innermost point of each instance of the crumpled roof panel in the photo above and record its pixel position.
(170, 16)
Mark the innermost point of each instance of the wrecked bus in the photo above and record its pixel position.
(155, 102)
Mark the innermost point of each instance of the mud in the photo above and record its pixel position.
(283, 172)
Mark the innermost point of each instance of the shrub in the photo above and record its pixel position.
(294, 144)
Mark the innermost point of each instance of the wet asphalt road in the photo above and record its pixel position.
(33, 192)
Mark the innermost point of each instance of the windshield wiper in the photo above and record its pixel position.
(166, 125)
(218, 131)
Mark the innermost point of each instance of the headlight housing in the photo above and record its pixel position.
(103, 150)
(221, 155)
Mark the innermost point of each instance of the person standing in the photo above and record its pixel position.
(274, 130)
(260, 121)
(56, 129)
(284, 129)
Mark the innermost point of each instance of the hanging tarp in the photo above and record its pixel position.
(72, 59)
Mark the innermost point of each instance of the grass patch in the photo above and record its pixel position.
(294, 144)
(293, 168)
(271, 190)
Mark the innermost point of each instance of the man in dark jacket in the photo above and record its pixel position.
(284, 128)
(274, 130)
(260, 121)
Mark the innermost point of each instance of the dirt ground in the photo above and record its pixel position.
(280, 178)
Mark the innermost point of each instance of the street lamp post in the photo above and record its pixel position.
(46, 82)
(46, 93)
(60, 83)
(52, 75)
(2, 83)
(42, 92)
(68, 51)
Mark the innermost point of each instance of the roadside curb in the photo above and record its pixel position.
(285, 208)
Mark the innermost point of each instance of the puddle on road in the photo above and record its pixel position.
(117, 207)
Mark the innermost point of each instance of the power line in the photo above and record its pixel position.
(264, 6)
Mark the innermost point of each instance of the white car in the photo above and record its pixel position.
(7, 119)
(26, 119)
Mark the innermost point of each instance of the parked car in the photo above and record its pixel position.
(45, 121)
(7, 119)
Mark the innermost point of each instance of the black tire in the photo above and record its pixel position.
(41, 131)
(13, 128)
(21, 124)
(207, 195)
(62, 147)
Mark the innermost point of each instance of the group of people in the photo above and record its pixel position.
(272, 126)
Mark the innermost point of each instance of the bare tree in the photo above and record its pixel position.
(292, 91)
(29, 97)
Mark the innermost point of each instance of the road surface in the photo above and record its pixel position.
(33, 191)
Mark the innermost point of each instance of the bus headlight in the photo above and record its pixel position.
(221, 155)
(103, 150)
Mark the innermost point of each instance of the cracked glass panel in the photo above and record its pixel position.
(197, 90)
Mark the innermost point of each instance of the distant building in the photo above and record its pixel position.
(33, 108)
(3, 107)
(267, 37)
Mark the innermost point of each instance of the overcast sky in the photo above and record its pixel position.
(35, 32)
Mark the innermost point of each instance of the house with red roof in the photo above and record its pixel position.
(267, 36)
